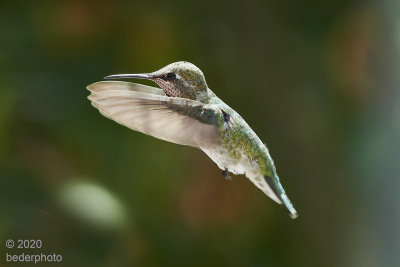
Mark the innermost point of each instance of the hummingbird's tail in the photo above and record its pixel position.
(278, 190)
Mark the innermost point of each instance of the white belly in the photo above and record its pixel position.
(243, 165)
(223, 159)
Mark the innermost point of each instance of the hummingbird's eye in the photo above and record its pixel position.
(171, 76)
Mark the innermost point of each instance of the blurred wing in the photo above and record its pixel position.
(147, 110)
(125, 86)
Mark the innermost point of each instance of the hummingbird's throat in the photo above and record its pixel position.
(167, 87)
(172, 89)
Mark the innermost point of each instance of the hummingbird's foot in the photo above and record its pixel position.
(226, 175)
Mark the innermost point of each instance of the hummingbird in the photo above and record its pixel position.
(186, 112)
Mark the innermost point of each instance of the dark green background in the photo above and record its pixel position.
(316, 80)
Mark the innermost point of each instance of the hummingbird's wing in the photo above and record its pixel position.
(125, 86)
(146, 109)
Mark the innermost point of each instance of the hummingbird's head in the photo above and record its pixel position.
(179, 79)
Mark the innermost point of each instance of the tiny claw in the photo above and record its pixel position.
(226, 175)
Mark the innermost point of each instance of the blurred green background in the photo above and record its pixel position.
(316, 80)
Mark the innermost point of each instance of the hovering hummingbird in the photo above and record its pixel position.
(185, 111)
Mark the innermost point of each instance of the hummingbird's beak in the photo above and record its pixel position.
(129, 76)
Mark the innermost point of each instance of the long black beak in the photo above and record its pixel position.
(129, 76)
